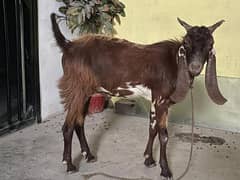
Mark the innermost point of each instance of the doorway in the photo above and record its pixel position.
(19, 75)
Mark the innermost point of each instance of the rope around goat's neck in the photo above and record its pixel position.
(192, 139)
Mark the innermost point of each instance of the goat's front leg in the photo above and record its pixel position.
(162, 116)
(149, 161)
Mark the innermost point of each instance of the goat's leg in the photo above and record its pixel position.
(67, 153)
(79, 129)
(64, 128)
(163, 138)
(149, 161)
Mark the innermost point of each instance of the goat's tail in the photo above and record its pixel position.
(62, 42)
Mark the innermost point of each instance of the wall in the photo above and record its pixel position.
(49, 59)
(207, 113)
(149, 21)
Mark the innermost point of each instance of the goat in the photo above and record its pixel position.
(95, 63)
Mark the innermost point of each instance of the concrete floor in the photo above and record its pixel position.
(35, 153)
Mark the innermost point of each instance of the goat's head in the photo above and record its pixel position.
(197, 48)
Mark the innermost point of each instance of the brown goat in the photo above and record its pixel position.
(96, 63)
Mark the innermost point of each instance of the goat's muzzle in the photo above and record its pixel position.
(195, 68)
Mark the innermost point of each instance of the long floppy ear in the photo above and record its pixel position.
(184, 24)
(183, 80)
(215, 26)
(211, 80)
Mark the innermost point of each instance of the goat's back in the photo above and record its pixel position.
(114, 60)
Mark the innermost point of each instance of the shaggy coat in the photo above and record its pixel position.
(95, 63)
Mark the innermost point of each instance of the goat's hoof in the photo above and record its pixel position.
(90, 158)
(166, 178)
(166, 173)
(71, 169)
(149, 162)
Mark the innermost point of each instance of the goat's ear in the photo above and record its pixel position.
(211, 80)
(184, 24)
(183, 81)
(215, 26)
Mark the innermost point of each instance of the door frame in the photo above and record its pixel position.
(35, 56)
(37, 103)
(23, 119)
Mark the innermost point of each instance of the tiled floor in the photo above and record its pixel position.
(118, 141)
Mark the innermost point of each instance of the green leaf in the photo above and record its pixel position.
(122, 5)
(83, 15)
(106, 16)
(115, 2)
(92, 16)
(64, 1)
(117, 19)
(67, 1)
(74, 27)
(77, 4)
(73, 11)
(122, 13)
(80, 19)
(63, 9)
(88, 11)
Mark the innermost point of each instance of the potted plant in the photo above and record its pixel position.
(92, 16)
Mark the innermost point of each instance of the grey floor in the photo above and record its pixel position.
(35, 153)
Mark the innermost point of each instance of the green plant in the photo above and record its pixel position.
(92, 16)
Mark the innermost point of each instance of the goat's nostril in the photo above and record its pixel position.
(195, 66)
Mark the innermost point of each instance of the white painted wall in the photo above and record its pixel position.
(49, 59)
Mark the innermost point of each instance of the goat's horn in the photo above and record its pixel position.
(211, 81)
(215, 26)
(183, 81)
(184, 24)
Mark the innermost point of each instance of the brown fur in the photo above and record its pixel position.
(73, 89)
(164, 120)
(167, 68)
(88, 64)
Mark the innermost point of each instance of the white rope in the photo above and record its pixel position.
(192, 141)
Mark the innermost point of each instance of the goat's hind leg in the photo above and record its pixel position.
(73, 118)
(79, 129)
(67, 130)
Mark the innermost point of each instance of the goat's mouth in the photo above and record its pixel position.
(195, 68)
(194, 73)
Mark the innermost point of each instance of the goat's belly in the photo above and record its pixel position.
(129, 91)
